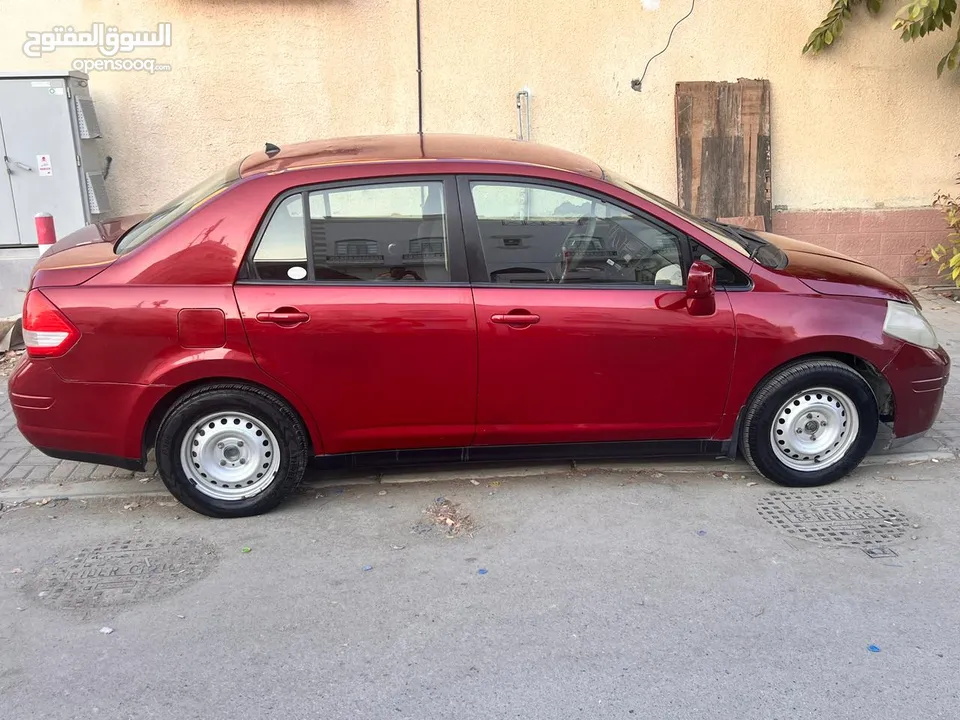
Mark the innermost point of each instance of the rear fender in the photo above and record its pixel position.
(194, 372)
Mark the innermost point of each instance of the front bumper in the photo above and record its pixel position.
(918, 378)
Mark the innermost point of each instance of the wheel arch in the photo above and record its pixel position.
(160, 409)
(882, 391)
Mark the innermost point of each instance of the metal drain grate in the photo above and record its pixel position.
(121, 572)
(833, 517)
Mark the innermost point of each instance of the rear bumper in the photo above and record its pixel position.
(92, 422)
(918, 378)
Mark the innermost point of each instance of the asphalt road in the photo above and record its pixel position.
(605, 595)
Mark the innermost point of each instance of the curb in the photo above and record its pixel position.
(123, 489)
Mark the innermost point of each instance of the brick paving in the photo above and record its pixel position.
(22, 465)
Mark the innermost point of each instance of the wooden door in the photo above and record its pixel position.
(723, 149)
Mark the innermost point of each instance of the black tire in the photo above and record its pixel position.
(282, 421)
(760, 450)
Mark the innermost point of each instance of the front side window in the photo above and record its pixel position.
(391, 232)
(546, 235)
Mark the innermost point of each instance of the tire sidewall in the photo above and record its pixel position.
(765, 455)
(173, 429)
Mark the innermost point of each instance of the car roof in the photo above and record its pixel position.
(398, 148)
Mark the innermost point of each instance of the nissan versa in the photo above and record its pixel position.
(454, 297)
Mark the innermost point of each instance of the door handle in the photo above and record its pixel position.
(288, 317)
(516, 317)
(22, 166)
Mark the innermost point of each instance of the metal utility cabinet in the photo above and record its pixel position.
(51, 163)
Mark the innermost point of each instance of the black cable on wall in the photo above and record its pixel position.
(637, 83)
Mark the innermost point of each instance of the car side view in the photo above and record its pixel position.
(450, 298)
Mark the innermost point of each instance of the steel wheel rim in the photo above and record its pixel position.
(814, 429)
(230, 455)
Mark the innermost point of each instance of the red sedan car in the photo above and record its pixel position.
(454, 297)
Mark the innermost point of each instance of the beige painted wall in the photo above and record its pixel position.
(864, 124)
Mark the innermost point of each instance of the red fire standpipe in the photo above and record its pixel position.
(46, 233)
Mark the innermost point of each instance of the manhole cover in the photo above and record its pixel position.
(830, 516)
(121, 572)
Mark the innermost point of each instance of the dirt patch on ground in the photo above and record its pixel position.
(447, 517)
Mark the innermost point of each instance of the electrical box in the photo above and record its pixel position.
(51, 159)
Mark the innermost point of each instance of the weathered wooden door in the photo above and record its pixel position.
(723, 149)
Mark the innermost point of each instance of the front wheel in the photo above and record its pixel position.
(810, 424)
(231, 450)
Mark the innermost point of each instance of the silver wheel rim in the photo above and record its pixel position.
(814, 429)
(230, 455)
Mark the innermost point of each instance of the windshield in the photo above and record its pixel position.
(718, 230)
(177, 208)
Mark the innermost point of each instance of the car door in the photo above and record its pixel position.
(355, 296)
(584, 330)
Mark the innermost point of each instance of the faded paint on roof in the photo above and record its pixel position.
(396, 148)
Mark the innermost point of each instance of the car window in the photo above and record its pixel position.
(282, 252)
(726, 275)
(393, 232)
(539, 234)
(177, 208)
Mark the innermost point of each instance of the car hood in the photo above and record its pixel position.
(79, 256)
(832, 273)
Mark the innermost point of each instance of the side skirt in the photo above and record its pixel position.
(501, 453)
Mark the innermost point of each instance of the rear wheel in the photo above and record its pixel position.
(231, 450)
(810, 424)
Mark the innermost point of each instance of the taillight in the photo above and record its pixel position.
(46, 331)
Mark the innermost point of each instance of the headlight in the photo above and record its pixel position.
(905, 322)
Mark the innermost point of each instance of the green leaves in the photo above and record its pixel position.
(920, 17)
(914, 20)
(832, 26)
(951, 59)
(949, 205)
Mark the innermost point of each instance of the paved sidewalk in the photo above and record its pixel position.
(22, 466)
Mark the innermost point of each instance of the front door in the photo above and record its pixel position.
(358, 301)
(583, 327)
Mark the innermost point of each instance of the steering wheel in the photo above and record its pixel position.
(585, 228)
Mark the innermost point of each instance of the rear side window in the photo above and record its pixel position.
(282, 252)
(390, 232)
(557, 236)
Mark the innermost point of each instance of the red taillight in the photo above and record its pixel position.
(46, 331)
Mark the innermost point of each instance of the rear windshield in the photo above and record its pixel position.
(177, 208)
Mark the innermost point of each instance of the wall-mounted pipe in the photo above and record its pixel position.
(419, 80)
(523, 111)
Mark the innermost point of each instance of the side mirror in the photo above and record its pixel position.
(701, 289)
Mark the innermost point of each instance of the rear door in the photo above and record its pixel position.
(356, 298)
(583, 326)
